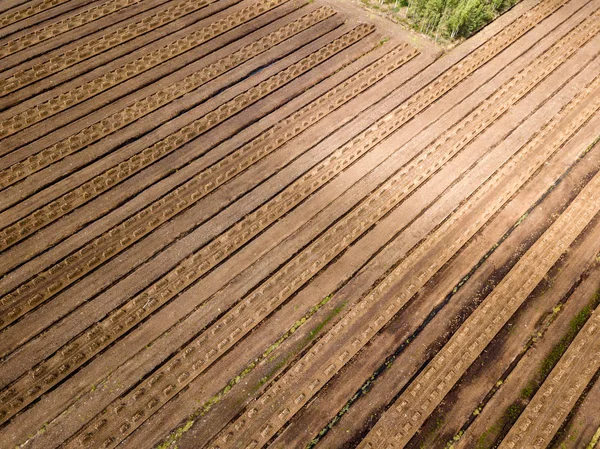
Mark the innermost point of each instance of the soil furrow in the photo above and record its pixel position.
(187, 306)
(45, 285)
(207, 378)
(167, 207)
(240, 224)
(104, 82)
(211, 346)
(347, 329)
(439, 295)
(401, 421)
(28, 11)
(18, 231)
(582, 429)
(62, 26)
(42, 187)
(198, 224)
(87, 69)
(98, 45)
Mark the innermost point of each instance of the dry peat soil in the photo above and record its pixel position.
(291, 224)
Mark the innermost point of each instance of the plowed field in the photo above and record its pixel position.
(289, 224)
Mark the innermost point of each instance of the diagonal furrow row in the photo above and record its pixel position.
(64, 25)
(381, 190)
(544, 415)
(28, 11)
(452, 76)
(104, 82)
(124, 235)
(140, 108)
(407, 414)
(99, 45)
(475, 59)
(196, 357)
(45, 285)
(193, 267)
(423, 98)
(267, 415)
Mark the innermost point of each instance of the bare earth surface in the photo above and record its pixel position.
(290, 224)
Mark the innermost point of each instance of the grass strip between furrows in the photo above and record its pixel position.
(215, 399)
(574, 363)
(492, 436)
(405, 416)
(595, 440)
(390, 360)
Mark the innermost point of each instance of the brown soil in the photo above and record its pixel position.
(293, 224)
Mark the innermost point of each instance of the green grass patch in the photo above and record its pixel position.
(511, 414)
(454, 18)
(577, 322)
(204, 408)
(446, 19)
(319, 327)
(487, 439)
